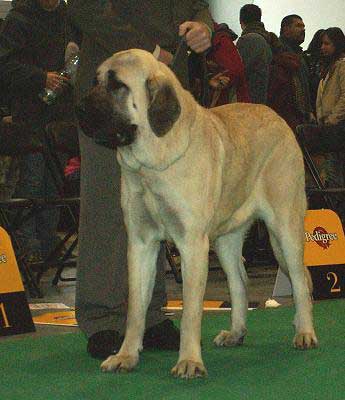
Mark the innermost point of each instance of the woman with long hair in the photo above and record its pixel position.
(329, 143)
(330, 103)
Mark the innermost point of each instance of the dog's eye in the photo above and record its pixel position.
(94, 82)
(113, 82)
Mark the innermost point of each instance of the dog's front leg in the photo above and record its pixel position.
(194, 256)
(142, 258)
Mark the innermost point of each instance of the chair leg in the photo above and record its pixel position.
(58, 275)
(317, 179)
(309, 163)
(174, 261)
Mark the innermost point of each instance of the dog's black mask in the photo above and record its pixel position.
(97, 120)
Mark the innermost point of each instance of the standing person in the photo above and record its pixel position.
(289, 93)
(102, 287)
(327, 142)
(32, 49)
(256, 47)
(330, 103)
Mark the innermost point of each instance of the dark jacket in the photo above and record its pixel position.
(139, 24)
(288, 92)
(32, 43)
(257, 46)
(270, 37)
(257, 56)
(315, 65)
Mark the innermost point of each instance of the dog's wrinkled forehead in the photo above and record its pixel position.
(126, 65)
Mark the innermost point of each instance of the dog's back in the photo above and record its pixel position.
(256, 125)
(261, 157)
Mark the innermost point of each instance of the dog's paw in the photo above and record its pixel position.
(189, 369)
(305, 341)
(229, 338)
(119, 363)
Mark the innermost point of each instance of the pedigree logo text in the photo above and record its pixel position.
(321, 237)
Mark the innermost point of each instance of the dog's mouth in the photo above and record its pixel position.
(103, 127)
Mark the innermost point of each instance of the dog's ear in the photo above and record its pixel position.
(164, 107)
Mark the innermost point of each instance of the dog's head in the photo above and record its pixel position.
(138, 105)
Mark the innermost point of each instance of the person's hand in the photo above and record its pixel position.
(219, 81)
(55, 81)
(165, 57)
(7, 119)
(198, 35)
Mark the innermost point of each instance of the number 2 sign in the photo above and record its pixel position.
(325, 253)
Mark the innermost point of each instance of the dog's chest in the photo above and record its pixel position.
(162, 207)
(151, 203)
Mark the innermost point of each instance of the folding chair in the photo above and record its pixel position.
(58, 257)
(320, 189)
(15, 212)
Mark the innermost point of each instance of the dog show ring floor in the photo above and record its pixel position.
(52, 362)
(265, 367)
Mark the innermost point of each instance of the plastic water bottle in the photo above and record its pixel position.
(49, 96)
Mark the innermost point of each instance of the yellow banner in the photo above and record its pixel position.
(324, 238)
(10, 279)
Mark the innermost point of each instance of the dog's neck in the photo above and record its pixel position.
(160, 153)
(133, 159)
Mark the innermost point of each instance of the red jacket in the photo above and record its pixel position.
(225, 54)
(281, 91)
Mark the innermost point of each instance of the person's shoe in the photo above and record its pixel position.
(163, 336)
(103, 344)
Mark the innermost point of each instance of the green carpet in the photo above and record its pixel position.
(266, 367)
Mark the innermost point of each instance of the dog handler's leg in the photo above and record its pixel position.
(229, 252)
(142, 258)
(194, 256)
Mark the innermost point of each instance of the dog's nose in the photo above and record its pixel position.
(126, 134)
(98, 121)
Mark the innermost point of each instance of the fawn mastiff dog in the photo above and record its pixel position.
(197, 176)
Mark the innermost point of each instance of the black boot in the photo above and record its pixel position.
(163, 336)
(103, 344)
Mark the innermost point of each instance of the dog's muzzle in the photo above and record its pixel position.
(97, 120)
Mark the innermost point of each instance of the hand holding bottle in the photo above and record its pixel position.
(56, 81)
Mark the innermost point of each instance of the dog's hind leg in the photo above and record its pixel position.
(194, 257)
(229, 252)
(286, 231)
(142, 258)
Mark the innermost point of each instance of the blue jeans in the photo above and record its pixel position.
(38, 233)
